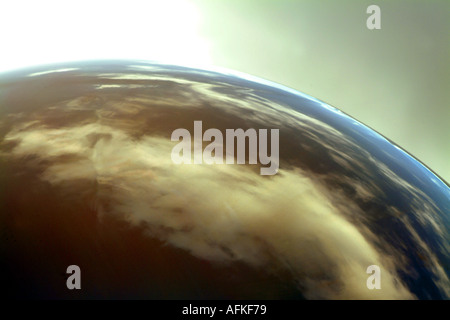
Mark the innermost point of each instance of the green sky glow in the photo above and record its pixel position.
(396, 80)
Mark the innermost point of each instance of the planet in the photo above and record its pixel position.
(138, 180)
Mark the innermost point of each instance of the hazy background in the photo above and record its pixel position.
(396, 80)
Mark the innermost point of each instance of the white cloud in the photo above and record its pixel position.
(219, 213)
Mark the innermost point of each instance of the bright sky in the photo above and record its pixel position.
(47, 31)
